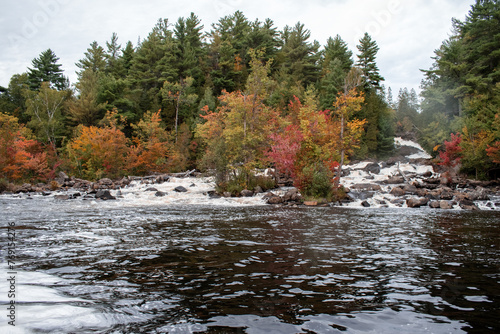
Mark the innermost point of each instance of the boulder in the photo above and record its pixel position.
(445, 205)
(292, 195)
(311, 203)
(410, 189)
(468, 205)
(397, 191)
(417, 202)
(373, 168)
(258, 190)
(180, 189)
(213, 194)
(246, 193)
(160, 194)
(274, 200)
(435, 205)
(365, 204)
(151, 189)
(104, 195)
(62, 177)
(394, 180)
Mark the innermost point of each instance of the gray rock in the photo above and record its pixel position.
(365, 204)
(180, 189)
(151, 189)
(160, 194)
(246, 193)
(373, 168)
(104, 195)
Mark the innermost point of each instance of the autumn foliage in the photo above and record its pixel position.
(21, 158)
(98, 152)
(451, 156)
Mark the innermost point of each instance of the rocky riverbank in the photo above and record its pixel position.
(408, 179)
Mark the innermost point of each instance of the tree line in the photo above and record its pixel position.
(241, 96)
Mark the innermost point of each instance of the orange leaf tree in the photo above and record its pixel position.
(21, 159)
(152, 147)
(98, 152)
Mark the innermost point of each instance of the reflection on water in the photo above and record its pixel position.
(186, 269)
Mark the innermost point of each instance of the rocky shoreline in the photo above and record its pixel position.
(430, 189)
(408, 179)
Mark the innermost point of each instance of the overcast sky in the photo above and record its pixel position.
(407, 31)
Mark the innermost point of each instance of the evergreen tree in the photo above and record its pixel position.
(298, 57)
(153, 64)
(188, 34)
(336, 63)
(368, 50)
(46, 69)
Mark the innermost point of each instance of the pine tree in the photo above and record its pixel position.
(46, 69)
(368, 50)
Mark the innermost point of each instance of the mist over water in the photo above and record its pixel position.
(114, 267)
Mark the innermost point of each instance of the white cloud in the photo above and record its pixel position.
(407, 31)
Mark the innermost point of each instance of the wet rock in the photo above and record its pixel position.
(180, 189)
(427, 174)
(46, 193)
(445, 205)
(373, 168)
(192, 185)
(417, 202)
(151, 189)
(365, 204)
(366, 187)
(61, 197)
(292, 195)
(410, 189)
(394, 160)
(408, 150)
(394, 180)
(274, 200)
(213, 194)
(468, 205)
(446, 195)
(104, 195)
(397, 191)
(74, 195)
(365, 195)
(435, 204)
(160, 194)
(246, 193)
(62, 177)
(162, 178)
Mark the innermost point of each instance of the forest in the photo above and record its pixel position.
(246, 96)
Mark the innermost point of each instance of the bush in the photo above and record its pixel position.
(241, 178)
(315, 182)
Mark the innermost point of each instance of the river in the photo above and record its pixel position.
(85, 266)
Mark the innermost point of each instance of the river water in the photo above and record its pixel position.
(114, 267)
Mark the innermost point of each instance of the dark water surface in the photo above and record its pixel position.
(92, 267)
